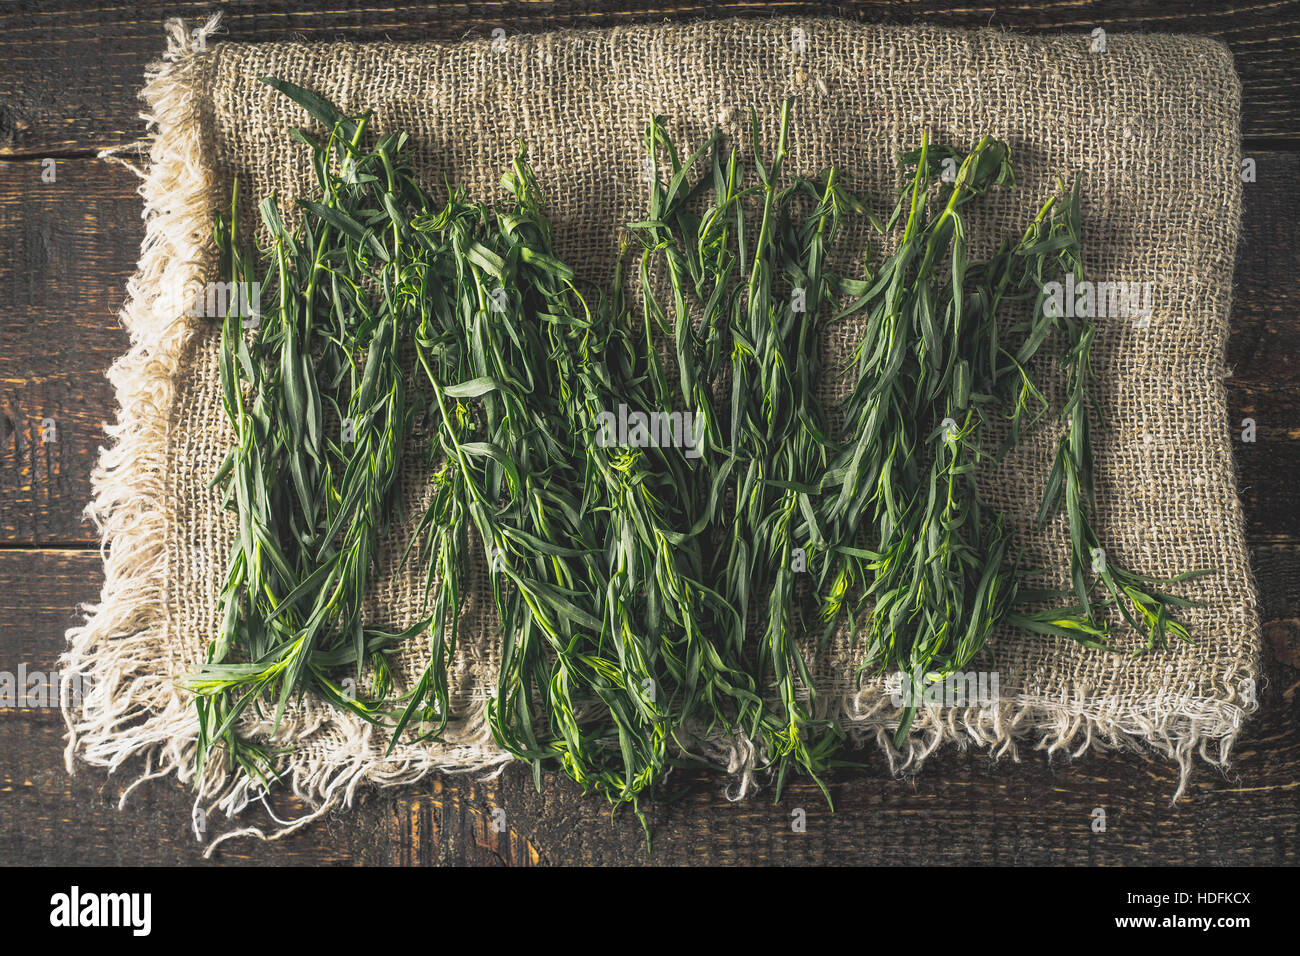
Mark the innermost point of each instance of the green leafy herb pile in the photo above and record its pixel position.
(648, 591)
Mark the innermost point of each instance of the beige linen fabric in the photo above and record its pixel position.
(1150, 126)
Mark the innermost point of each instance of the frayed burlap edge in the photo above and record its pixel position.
(130, 711)
(1173, 726)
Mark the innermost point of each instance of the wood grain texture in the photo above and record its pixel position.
(67, 248)
(73, 68)
(1264, 345)
(68, 86)
(962, 808)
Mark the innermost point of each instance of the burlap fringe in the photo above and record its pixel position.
(130, 710)
(1172, 726)
(128, 706)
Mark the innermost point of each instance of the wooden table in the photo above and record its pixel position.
(67, 89)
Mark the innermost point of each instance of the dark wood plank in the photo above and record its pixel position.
(1266, 467)
(961, 809)
(1264, 347)
(73, 68)
(68, 247)
(1264, 386)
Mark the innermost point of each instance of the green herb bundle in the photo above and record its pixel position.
(501, 351)
(647, 590)
(761, 302)
(310, 504)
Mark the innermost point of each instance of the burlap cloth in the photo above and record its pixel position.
(1150, 125)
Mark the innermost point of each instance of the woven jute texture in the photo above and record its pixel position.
(1150, 126)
